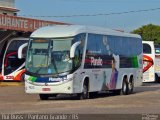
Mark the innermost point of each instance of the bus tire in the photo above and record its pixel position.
(85, 93)
(131, 85)
(93, 95)
(125, 89)
(117, 92)
(54, 95)
(44, 96)
(157, 79)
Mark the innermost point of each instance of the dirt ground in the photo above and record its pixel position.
(145, 100)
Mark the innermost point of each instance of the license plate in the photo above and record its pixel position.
(46, 89)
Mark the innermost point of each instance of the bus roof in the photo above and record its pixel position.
(72, 30)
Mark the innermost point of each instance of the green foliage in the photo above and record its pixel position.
(149, 32)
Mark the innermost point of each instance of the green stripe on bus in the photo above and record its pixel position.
(135, 62)
(33, 79)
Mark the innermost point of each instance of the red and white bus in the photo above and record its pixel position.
(12, 68)
(149, 64)
(157, 63)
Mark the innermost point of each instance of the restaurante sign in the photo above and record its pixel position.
(23, 24)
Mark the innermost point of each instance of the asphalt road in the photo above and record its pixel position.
(145, 100)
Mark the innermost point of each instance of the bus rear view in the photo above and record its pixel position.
(148, 61)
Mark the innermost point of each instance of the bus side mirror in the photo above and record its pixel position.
(20, 51)
(73, 48)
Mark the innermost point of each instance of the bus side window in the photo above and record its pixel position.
(79, 51)
(146, 48)
(78, 56)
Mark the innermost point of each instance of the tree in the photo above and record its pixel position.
(149, 32)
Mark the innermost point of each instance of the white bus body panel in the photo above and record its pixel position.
(157, 61)
(75, 83)
(149, 63)
(157, 65)
(97, 78)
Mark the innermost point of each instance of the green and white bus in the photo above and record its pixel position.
(82, 60)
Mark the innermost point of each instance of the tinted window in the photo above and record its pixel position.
(12, 62)
(79, 50)
(146, 48)
(157, 49)
(98, 54)
(125, 46)
(14, 45)
(97, 44)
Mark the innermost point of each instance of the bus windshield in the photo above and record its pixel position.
(49, 56)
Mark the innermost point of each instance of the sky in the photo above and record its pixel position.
(41, 9)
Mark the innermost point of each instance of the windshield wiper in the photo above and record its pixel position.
(65, 71)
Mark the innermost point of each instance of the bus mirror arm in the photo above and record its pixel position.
(20, 49)
(73, 48)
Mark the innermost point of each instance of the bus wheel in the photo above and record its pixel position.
(44, 96)
(131, 85)
(93, 95)
(125, 89)
(54, 95)
(85, 93)
(117, 92)
(157, 79)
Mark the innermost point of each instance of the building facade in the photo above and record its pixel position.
(7, 7)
